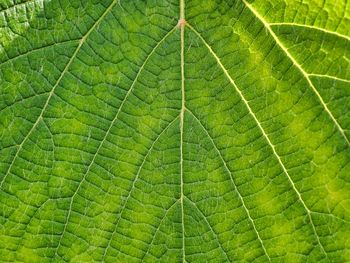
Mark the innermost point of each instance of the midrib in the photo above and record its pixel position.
(182, 32)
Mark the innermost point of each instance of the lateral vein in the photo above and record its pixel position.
(40, 117)
(133, 186)
(210, 227)
(311, 27)
(263, 132)
(233, 183)
(329, 77)
(109, 129)
(305, 74)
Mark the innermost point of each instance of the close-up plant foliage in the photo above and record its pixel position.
(174, 131)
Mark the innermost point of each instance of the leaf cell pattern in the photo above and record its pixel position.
(174, 131)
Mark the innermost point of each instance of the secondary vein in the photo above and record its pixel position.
(311, 27)
(109, 129)
(233, 183)
(65, 70)
(308, 211)
(305, 74)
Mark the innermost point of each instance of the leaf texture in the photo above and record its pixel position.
(175, 131)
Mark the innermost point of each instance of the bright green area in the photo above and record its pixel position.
(123, 141)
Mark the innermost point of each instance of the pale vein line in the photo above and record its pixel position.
(33, 217)
(263, 132)
(311, 27)
(133, 186)
(210, 227)
(108, 131)
(38, 49)
(182, 32)
(158, 228)
(279, 43)
(233, 182)
(21, 100)
(329, 77)
(332, 216)
(54, 87)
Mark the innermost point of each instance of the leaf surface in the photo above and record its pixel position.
(175, 131)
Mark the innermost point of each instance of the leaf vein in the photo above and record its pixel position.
(40, 117)
(133, 187)
(210, 227)
(311, 27)
(264, 134)
(108, 131)
(233, 182)
(306, 76)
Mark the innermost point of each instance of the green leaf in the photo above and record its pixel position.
(175, 131)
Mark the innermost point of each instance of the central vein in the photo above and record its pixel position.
(182, 23)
